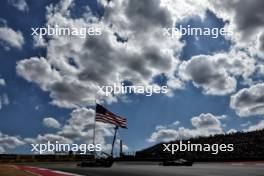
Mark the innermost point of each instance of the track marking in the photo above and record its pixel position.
(32, 173)
(44, 172)
(260, 164)
(247, 163)
(237, 164)
(66, 173)
(13, 166)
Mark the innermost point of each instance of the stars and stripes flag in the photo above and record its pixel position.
(106, 116)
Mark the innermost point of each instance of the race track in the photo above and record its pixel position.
(152, 169)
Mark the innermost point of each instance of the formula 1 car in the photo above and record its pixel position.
(179, 162)
(98, 162)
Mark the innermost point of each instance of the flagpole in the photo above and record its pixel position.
(94, 126)
(113, 144)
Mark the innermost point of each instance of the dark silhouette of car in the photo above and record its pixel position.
(98, 162)
(179, 162)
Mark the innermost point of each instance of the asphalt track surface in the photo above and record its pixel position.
(153, 169)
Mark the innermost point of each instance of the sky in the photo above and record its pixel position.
(48, 85)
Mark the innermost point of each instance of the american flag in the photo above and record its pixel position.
(106, 116)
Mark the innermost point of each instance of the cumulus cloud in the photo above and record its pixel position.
(51, 122)
(78, 128)
(39, 42)
(181, 10)
(2, 150)
(9, 142)
(248, 16)
(258, 126)
(216, 74)
(260, 45)
(2, 82)
(38, 70)
(202, 71)
(206, 121)
(4, 100)
(173, 125)
(176, 10)
(176, 123)
(245, 124)
(246, 19)
(19, 4)
(42, 139)
(203, 125)
(81, 127)
(231, 131)
(249, 101)
(10, 38)
(164, 135)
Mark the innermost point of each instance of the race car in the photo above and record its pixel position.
(98, 162)
(179, 162)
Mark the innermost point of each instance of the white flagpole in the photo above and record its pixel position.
(94, 125)
(113, 144)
